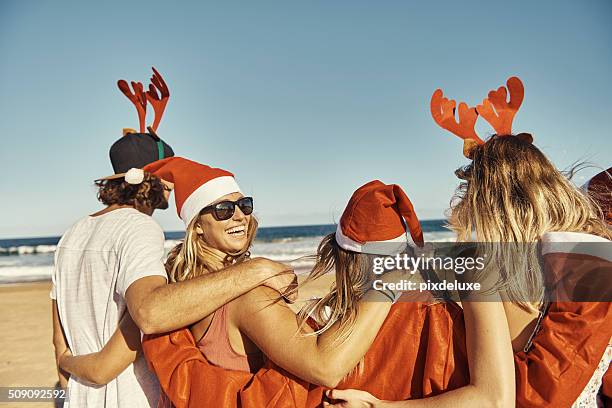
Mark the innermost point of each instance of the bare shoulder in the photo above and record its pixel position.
(261, 313)
(259, 298)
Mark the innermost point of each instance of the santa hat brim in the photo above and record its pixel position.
(207, 194)
(388, 247)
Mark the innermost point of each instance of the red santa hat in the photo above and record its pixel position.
(195, 185)
(379, 219)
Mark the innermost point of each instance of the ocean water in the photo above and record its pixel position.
(31, 259)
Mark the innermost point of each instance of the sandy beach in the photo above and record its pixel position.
(26, 349)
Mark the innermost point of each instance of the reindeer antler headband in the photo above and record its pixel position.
(139, 98)
(495, 109)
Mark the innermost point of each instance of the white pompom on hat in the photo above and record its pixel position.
(379, 219)
(134, 176)
(195, 185)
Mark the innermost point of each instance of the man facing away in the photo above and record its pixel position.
(110, 264)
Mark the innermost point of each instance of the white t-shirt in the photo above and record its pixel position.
(95, 263)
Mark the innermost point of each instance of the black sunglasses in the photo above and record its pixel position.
(224, 210)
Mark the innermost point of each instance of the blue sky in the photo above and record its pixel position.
(303, 101)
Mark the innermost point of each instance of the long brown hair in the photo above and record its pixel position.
(353, 279)
(192, 257)
(511, 193)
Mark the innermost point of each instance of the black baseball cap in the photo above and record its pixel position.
(136, 150)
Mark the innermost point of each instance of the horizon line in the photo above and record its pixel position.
(2, 238)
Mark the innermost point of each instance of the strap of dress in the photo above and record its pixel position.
(541, 313)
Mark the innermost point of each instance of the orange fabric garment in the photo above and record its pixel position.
(600, 188)
(564, 355)
(413, 356)
(399, 365)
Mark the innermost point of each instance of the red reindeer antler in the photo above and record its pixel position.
(158, 101)
(501, 118)
(443, 113)
(138, 98)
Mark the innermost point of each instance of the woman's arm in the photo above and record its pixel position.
(492, 382)
(116, 355)
(274, 328)
(59, 344)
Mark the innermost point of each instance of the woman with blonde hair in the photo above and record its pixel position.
(551, 246)
(220, 229)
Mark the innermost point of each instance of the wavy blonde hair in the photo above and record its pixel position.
(511, 195)
(193, 257)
